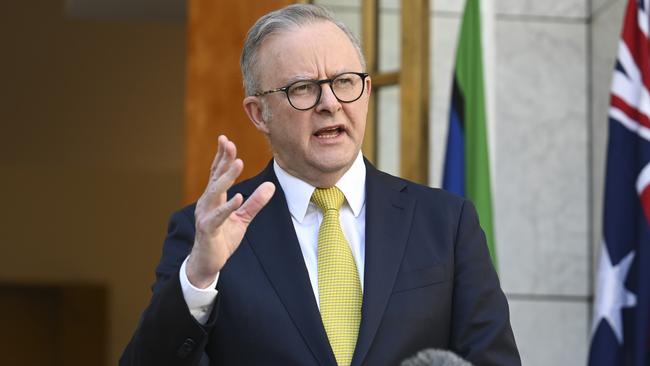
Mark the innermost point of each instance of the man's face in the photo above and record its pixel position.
(317, 145)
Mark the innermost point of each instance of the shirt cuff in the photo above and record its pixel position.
(199, 301)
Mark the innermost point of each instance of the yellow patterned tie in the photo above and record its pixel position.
(339, 288)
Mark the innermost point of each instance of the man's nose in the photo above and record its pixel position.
(328, 101)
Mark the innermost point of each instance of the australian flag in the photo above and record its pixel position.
(621, 318)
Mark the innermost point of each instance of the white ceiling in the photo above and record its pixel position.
(165, 10)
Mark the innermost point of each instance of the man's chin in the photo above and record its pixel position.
(333, 165)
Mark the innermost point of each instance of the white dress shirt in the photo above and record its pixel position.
(306, 218)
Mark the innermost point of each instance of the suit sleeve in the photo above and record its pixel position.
(168, 334)
(481, 330)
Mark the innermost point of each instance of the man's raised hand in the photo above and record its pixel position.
(221, 223)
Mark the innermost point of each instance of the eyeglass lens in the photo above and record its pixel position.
(346, 87)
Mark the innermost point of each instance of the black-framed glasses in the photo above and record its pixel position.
(305, 94)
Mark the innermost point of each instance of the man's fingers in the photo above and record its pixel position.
(215, 193)
(229, 153)
(226, 153)
(220, 141)
(256, 202)
(218, 215)
(227, 179)
(223, 173)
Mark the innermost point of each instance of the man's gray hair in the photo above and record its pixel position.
(283, 20)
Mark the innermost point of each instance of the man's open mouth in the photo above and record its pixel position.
(329, 132)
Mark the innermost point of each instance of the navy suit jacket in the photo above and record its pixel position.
(429, 283)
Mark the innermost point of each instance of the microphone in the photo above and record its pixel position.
(435, 357)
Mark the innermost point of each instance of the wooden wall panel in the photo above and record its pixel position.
(53, 325)
(414, 91)
(369, 41)
(216, 32)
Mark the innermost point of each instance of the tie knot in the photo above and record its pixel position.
(328, 198)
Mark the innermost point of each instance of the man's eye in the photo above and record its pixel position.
(301, 88)
(344, 81)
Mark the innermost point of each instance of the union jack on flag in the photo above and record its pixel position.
(621, 318)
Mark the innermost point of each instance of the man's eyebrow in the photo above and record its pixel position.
(295, 78)
(305, 77)
(340, 71)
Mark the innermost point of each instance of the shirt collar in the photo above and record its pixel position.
(298, 192)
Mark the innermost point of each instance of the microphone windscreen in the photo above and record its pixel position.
(435, 357)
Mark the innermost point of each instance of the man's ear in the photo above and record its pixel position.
(253, 107)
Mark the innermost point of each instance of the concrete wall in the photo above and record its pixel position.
(91, 153)
(552, 71)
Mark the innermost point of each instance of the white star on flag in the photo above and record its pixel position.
(611, 294)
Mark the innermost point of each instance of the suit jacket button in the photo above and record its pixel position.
(186, 348)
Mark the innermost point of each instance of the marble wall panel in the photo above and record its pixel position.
(541, 172)
(390, 40)
(448, 6)
(598, 6)
(551, 332)
(390, 4)
(549, 8)
(388, 129)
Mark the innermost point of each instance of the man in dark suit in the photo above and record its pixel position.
(265, 273)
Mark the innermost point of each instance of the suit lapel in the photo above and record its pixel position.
(273, 239)
(389, 213)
